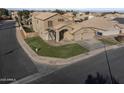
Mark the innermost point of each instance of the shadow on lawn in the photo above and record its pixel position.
(99, 79)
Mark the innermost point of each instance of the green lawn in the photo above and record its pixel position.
(64, 51)
(109, 41)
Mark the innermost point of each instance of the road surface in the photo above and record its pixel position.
(14, 63)
(91, 70)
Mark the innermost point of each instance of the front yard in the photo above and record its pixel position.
(45, 49)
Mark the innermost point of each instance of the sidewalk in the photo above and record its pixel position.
(58, 61)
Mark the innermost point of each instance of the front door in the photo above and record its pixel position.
(62, 34)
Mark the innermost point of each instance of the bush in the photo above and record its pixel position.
(28, 30)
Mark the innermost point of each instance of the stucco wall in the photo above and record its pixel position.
(38, 26)
(84, 34)
(55, 21)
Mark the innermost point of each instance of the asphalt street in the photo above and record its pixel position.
(92, 70)
(14, 63)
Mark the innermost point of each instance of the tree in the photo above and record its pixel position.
(74, 13)
(4, 12)
(59, 11)
(87, 13)
(24, 14)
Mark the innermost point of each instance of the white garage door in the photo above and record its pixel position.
(88, 35)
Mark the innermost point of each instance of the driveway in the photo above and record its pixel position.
(91, 44)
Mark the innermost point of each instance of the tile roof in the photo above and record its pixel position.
(43, 15)
(98, 22)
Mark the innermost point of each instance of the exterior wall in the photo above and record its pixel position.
(28, 35)
(84, 34)
(38, 26)
(68, 36)
(77, 36)
(32, 34)
(55, 21)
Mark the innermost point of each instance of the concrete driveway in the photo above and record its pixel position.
(91, 44)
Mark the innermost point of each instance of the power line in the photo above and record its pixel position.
(110, 72)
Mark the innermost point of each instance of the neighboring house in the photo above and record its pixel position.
(50, 26)
(83, 16)
(91, 28)
(69, 16)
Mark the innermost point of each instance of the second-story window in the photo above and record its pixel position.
(60, 20)
(50, 23)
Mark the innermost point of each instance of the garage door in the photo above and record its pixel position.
(88, 35)
(77, 37)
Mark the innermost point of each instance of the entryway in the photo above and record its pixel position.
(62, 33)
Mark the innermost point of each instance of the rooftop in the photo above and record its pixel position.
(43, 15)
(97, 22)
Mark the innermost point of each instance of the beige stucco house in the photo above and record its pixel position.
(50, 26)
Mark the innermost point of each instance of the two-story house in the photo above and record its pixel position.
(50, 26)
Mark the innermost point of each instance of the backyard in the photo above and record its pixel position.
(28, 30)
(45, 49)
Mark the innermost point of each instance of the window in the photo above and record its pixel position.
(99, 33)
(50, 23)
(61, 20)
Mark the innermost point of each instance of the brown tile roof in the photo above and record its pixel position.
(43, 15)
(98, 22)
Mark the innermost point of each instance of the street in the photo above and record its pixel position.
(92, 70)
(14, 63)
